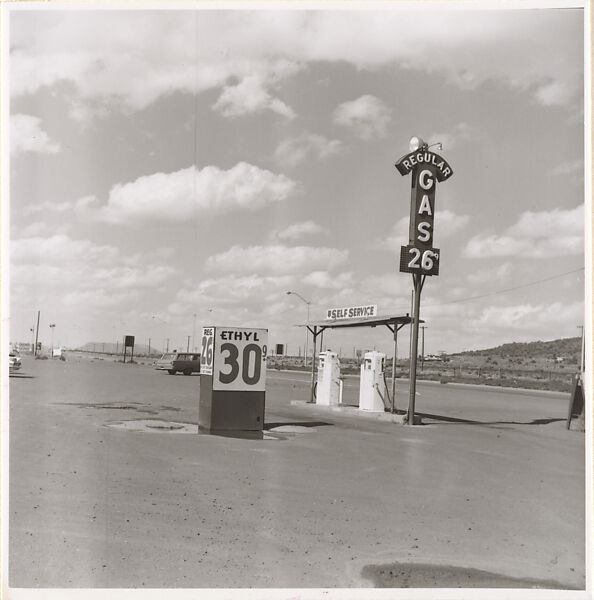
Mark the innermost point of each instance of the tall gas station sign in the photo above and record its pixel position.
(419, 257)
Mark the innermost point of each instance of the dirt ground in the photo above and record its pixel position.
(488, 492)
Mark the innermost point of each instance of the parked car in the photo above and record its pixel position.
(165, 362)
(182, 362)
(14, 362)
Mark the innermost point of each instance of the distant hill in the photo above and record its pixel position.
(567, 348)
(111, 348)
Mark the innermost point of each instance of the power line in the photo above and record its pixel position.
(517, 287)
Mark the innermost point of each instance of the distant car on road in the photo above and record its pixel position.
(182, 362)
(14, 362)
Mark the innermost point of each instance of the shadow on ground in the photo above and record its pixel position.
(447, 419)
(421, 575)
(296, 424)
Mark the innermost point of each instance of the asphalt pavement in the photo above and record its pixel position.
(488, 492)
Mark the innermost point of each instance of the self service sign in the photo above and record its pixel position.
(427, 168)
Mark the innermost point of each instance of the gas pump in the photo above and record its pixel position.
(329, 388)
(373, 387)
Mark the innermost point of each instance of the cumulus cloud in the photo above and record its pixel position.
(294, 151)
(459, 134)
(100, 298)
(183, 194)
(35, 229)
(26, 135)
(250, 96)
(570, 170)
(497, 274)
(81, 268)
(535, 235)
(324, 279)
(275, 259)
(554, 93)
(446, 224)
(59, 249)
(367, 116)
(48, 206)
(532, 316)
(570, 167)
(297, 231)
(109, 57)
(231, 288)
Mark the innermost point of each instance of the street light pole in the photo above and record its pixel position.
(36, 334)
(308, 302)
(194, 335)
(52, 326)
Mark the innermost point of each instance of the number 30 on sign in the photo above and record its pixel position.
(236, 358)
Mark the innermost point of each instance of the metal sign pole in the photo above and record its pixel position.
(418, 285)
(394, 359)
(313, 365)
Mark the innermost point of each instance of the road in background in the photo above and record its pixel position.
(493, 481)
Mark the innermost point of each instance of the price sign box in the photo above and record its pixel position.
(207, 351)
(424, 261)
(240, 359)
(233, 379)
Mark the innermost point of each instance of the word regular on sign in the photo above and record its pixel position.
(421, 158)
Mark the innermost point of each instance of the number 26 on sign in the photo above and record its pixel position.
(424, 261)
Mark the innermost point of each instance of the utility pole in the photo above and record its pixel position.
(423, 346)
(582, 365)
(36, 334)
(167, 349)
(149, 350)
(188, 345)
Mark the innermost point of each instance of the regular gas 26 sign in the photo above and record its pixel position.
(427, 169)
(238, 358)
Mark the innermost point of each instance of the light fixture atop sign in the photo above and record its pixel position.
(415, 143)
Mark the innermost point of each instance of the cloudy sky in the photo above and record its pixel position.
(172, 163)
